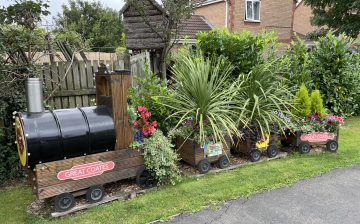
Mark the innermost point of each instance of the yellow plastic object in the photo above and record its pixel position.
(20, 141)
(263, 143)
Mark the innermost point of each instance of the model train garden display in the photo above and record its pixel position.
(70, 152)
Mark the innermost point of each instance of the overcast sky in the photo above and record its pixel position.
(55, 5)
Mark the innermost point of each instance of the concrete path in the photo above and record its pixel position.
(331, 198)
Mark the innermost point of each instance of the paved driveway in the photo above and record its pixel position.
(330, 198)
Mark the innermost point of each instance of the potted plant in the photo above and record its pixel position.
(205, 105)
(268, 101)
(314, 127)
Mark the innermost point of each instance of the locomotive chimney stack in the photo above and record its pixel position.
(34, 95)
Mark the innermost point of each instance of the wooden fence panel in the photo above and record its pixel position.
(72, 84)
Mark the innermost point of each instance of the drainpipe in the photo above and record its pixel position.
(226, 12)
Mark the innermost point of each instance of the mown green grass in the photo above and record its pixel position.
(194, 194)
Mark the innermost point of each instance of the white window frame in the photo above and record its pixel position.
(246, 11)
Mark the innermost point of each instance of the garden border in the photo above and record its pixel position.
(134, 194)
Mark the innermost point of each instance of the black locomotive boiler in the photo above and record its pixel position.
(76, 151)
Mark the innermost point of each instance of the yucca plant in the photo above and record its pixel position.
(204, 103)
(269, 100)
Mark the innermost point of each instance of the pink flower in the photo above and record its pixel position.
(141, 109)
(135, 123)
(154, 124)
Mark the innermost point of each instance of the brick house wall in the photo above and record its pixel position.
(302, 16)
(215, 13)
(275, 15)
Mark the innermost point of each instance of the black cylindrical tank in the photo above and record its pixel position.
(67, 133)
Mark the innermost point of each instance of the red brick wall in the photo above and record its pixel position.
(215, 13)
(302, 17)
(275, 15)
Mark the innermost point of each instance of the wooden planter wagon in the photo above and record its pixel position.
(304, 141)
(76, 151)
(202, 156)
(255, 148)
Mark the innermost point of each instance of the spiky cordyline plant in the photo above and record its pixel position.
(203, 95)
(266, 93)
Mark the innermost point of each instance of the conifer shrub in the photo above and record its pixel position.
(317, 103)
(302, 102)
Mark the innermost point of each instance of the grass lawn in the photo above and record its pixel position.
(194, 194)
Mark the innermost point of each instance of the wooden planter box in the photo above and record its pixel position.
(304, 141)
(255, 149)
(194, 154)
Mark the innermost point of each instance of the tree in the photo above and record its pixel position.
(175, 12)
(338, 16)
(100, 26)
(20, 38)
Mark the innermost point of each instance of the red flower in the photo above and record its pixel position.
(154, 124)
(141, 109)
(135, 123)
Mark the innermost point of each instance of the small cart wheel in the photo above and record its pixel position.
(64, 202)
(304, 147)
(144, 178)
(255, 155)
(203, 166)
(223, 162)
(332, 146)
(95, 194)
(272, 151)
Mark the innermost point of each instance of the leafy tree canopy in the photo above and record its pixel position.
(340, 16)
(98, 25)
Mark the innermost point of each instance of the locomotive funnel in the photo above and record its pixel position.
(34, 95)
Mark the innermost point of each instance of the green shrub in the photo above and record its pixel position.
(149, 92)
(317, 103)
(160, 158)
(203, 99)
(302, 102)
(266, 96)
(243, 50)
(335, 74)
(295, 62)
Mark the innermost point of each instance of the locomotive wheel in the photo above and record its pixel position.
(272, 151)
(304, 147)
(203, 166)
(144, 178)
(95, 194)
(223, 162)
(332, 146)
(255, 155)
(64, 202)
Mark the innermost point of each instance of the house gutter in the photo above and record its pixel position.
(226, 13)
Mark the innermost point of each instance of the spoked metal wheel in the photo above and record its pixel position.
(204, 166)
(95, 194)
(332, 146)
(255, 155)
(64, 202)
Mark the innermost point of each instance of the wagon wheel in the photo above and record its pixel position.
(332, 146)
(203, 166)
(64, 202)
(145, 179)
(255, 155)
(223, 162)
(272, 151)
(304, 147)
(95, 194)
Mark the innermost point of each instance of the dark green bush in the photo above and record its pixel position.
(295, 62)
(335, 72)
(243, 50)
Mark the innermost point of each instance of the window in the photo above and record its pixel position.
(252, 10)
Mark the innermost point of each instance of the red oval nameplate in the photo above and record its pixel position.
(86, 170)
(317, 137)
